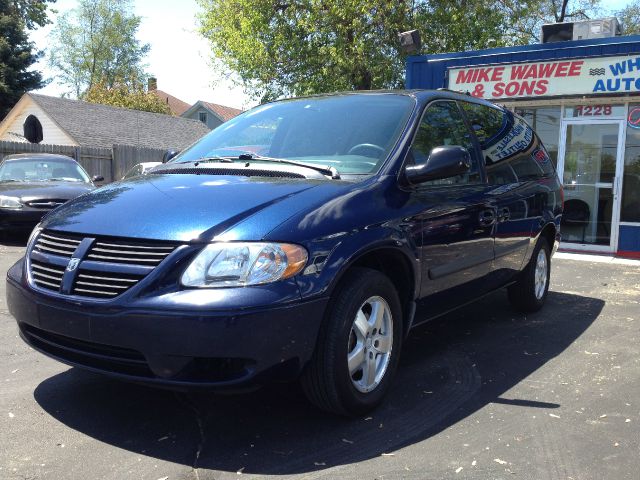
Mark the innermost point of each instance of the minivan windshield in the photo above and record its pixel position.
(352, 133)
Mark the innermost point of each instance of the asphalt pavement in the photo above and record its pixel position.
(483, 393)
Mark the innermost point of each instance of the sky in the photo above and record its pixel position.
(179, 57)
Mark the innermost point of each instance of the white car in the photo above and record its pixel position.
(140, 169)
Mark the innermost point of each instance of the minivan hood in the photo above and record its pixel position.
(185, 207)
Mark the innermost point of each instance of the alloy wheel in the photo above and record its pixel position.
(541, 274)
(370, 344)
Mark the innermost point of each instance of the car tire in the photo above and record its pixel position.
(357, 352)
(530, 291)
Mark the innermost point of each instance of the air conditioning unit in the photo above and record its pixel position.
(582, 30)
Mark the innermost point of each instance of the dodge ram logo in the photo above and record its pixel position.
(73, 264)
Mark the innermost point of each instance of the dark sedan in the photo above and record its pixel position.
(33, 184)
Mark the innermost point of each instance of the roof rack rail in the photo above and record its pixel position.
(442, 89)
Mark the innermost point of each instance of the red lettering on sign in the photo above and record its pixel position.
(561, 69)
(512, 89)
(532, 72)
(541, 87)
(527, 88)
(575, 68)
(547, 69)
(464, 76)
(483, 75)
(478, 91)
(521, 72)
(517, 72)
(516, 88)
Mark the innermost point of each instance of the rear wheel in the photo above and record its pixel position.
(529, 293)
(358, 345)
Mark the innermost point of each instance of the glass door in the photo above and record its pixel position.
(590, 160)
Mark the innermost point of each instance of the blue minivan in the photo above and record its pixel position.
(295, 241)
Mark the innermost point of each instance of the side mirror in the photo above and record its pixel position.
(443, 162)
(169, 154)
(97, 178)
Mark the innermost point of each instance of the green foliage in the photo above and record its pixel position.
(526, 17)
(33, 12)
(17, 53)
(125, 95)
(297, 47)
(311, 46)
(457, 26)
(630, 18)
(96, 42)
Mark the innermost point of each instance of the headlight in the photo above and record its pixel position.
(10, 202)
(241, 264)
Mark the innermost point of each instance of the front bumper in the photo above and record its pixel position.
(170, 344)
(23, 218)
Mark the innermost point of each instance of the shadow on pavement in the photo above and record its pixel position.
(450, 368)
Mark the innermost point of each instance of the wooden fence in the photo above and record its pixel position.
(110, 163)
(126, 156)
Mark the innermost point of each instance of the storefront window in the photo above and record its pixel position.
(630, 209)
(546, 122)
(594, 111)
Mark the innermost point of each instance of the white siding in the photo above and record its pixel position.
(13, 131)
(212, 120)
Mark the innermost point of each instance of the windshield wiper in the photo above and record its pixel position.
(209, 159)
(329, 171)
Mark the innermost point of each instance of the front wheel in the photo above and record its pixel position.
(358, 345)
(529, 293)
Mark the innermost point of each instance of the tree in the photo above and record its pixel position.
(96, 42)
(630, 18)
(459, 25)
(525, 18)
(310, 46)
(125, 95)
(33, 12)
(17, 53)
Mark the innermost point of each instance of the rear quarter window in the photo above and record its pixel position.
(511, 150)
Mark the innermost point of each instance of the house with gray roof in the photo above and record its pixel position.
(211, 114)
(62, 121)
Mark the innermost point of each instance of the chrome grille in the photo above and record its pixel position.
(47, 276)
(57, 244)
(109, 267)
(129, 252)
(90, 283)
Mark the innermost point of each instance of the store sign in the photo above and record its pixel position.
(589, 76)
(633, 120)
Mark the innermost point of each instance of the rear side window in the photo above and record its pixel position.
(443, 124)
(486, 122)
(511, 150)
